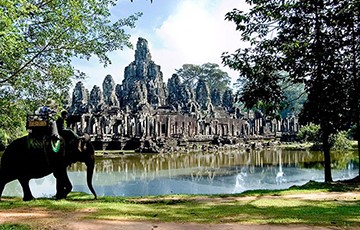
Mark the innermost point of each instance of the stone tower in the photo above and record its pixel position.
(144, 75)
(80, 99)
(110, 98)
(96, 97)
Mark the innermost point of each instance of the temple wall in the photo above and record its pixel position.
(145, 109)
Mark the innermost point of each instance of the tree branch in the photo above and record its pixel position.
(33, 58)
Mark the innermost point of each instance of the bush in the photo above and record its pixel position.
(309, 133)
(4, 139)
(340, 141)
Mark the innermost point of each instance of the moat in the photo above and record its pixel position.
(224, 172)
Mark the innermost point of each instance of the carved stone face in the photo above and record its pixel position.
(96, 96)
(108, 84)
(77, 95)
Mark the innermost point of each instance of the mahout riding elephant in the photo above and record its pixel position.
(27, 158)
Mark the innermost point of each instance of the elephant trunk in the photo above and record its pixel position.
(90, 165)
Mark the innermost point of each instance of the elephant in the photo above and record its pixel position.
(29, 158)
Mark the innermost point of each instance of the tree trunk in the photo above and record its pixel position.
(319, 50)
(358, 140)
(327, 158)
(355, 77)
(322, 107)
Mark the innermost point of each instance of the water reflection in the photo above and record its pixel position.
(199, 173)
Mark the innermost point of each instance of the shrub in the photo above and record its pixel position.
(309, 133)
(4, 139)
(340, 141)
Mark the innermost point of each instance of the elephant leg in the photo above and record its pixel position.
(63, 184)
(24, 182)
(67, 185)
(2, 186)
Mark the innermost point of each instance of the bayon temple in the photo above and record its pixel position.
(147, 115)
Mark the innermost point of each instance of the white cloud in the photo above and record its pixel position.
(197, 33)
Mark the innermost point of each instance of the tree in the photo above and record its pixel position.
(216, 78)
(295, 97)
(350, 18)
(39, 39)
(304, 39)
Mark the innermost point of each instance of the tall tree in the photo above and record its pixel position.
(39, 39)
(211, 73)
(349, 17)
(301, 38)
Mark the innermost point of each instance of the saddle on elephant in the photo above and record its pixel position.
(41, 131)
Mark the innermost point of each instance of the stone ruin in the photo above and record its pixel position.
(145, 114)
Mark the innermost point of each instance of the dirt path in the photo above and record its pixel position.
(51, 219)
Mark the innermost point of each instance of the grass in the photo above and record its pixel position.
(252, 207)
(308, 145)
(296, 146)
(14, 226)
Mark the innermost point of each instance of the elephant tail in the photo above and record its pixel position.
(90, 166)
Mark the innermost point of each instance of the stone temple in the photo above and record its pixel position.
(145, 114)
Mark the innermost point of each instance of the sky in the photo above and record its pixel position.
(178, 32)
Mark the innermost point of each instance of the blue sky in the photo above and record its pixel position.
(178, 32)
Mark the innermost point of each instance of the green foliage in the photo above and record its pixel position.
(216, 78)
(303, 39)
(14, 226)
(39, 39)
(340, 141)
(295, 97)
(4, 139)
(12, 119)
(38, 42)
(309, 133)
(316, 43)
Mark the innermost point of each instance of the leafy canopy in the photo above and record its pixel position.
(315, 43)
(209, 72)
(38, 41)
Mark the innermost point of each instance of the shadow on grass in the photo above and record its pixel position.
(259, 211)
(310, 187)
(337, 186)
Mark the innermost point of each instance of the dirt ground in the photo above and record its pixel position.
(46, 219)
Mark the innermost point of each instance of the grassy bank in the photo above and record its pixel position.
(253, 207)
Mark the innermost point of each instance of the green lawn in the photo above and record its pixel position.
(253, 207)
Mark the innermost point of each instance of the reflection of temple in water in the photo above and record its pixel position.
(200, 165)
(146, 114)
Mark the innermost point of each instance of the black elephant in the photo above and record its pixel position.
(28, 158)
